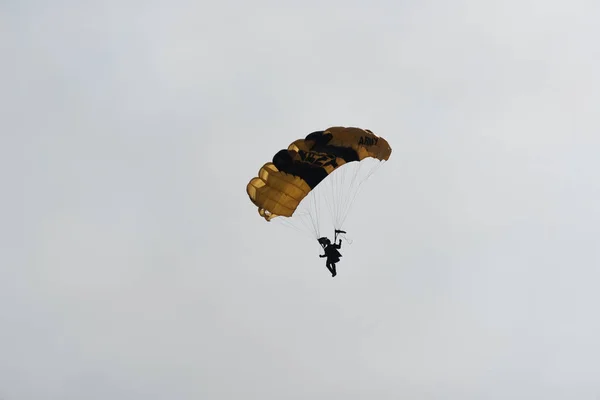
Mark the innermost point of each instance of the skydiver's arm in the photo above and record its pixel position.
(322, 255)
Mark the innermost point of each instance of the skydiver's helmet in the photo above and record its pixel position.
(324, 241)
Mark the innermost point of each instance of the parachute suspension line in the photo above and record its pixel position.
(331, 201)
(339, 193)
(335, 195)
(294, 224)
(318, 202)
(333, 190)
(307, 223)
(331, 193)
(287, 223)
(342, 186)
(371, 171)
(342, 235)
(344, 191)
(337, 189)
(306, 219)
(346, 197)
(314, 214)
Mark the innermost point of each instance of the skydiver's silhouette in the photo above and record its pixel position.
(332, 254)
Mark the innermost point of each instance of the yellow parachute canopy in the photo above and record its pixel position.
(283, 183)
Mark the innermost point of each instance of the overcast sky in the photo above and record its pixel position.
(133, 265)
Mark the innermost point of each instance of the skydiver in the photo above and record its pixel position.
(332, 254)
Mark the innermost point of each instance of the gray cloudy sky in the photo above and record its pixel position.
(133, 265)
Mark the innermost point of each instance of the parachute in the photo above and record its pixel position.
(326, 167)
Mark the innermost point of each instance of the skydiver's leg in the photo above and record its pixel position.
(332, 270)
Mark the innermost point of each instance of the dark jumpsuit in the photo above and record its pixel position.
(333, 256)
